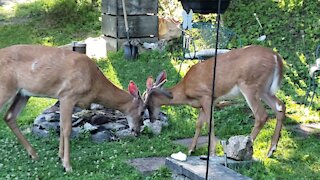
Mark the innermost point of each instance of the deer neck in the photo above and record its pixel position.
(111, 96)
(178, 94)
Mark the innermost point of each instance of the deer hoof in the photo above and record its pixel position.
(271, 150)
(34, 156)
(68, 169)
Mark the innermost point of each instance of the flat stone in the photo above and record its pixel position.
(114, 126)
(194, 168)
(147, 165)
(101, 136)
(202, 141)
(306, 129)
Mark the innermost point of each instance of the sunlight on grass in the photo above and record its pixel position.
(185, 65)
(301, 113)
(34, 108)
(110, 72)
(47, 41)
(302, 58)
(289, 5)
(295, 158)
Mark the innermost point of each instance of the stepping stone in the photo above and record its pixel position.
(306, 129)
(194, 168)
(147, 165)
(202, 141)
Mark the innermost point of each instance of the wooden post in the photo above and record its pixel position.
(142, 21)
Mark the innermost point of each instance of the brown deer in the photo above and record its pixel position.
(71, 77)
(253, 71)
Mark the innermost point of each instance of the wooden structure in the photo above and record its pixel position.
(142, 21)
(204, 6)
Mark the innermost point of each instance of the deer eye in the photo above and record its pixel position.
(142, 113)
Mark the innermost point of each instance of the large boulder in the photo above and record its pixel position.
(239, 148)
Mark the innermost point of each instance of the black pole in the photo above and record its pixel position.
(213, 81)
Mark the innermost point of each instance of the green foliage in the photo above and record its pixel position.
(51, 22)
(55, 23)
(292, 29)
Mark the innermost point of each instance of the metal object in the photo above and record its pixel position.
(224, 144)
(130, 51)
(263, 36)
(314, 72)
(79, 47)
(211, 122)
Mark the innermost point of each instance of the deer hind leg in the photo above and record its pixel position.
(279, 108)
(66, 108)
(252, 97)
(19, 102)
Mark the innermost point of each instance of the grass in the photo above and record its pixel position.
(296, 157)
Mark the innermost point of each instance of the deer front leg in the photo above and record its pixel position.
(17, 105)
(61, 143)
(203, 117)
(213, 140)
(199, 124)
(66, 108)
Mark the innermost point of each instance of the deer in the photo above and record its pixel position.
(254, 72)
(72, 78)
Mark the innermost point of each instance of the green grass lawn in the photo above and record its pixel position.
(296, 157)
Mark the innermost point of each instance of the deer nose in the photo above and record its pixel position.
(134, 132)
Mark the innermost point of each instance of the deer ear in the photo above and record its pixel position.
(149, 83)
(133, 89)
(161, 77)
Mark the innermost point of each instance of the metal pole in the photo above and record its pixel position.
(213, 81)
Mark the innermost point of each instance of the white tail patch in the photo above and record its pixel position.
(279, 107)
(276, 78)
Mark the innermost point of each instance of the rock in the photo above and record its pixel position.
(53, 109)
(38, 130)
(95, 106)
(85, 114)
(99, 119)
(89, 127)
(77, 109)
(163, 117)
(52, 117)
(40, 119)
(102, 136)
(124, 133)
(102, 123)
(77, 122)
(239, 148)
(50, 125)
(155, 127)
(115, 126)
